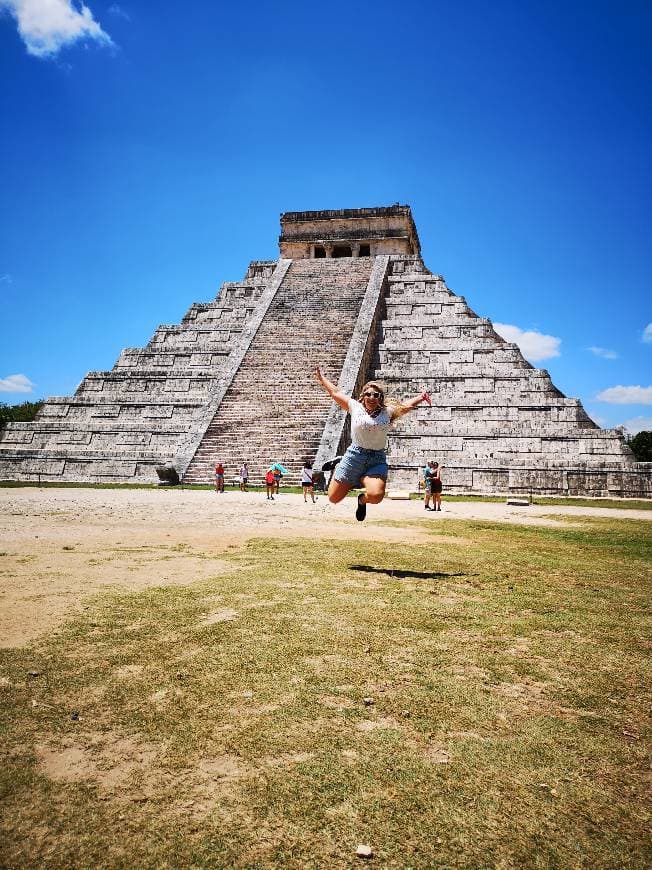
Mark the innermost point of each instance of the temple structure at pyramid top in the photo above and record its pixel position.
(349, 232)
(234, 382)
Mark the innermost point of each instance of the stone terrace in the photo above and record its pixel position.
(122, 423)
(497, 423)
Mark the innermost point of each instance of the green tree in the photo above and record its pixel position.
(641, 445)
(23, 413)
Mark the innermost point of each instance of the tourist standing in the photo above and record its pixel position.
(427, 485)
(365, 463)
(307, 482)
(269, 484)
(244, 477)
(219, 477)
(277, 479)
(437, 485)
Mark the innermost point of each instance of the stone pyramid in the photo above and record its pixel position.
(234, 380)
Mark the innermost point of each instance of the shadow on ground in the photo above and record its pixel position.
(401, 574)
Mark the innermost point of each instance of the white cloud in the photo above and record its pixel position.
(603, 352)
(118, 11)
(626, 395)
(534, 345)
(6, 279)
(16, 384)
(638, 424)
(647, 334)
(46, 26)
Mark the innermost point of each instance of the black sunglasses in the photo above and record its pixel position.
(372, 394)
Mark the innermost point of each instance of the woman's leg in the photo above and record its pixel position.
(374, 490)
(337, 490)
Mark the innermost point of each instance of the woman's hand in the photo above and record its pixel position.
(425, 397)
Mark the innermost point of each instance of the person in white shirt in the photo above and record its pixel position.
(244, 477)
(364, 464)
(307, 483)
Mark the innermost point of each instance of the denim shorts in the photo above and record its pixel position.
(358, 462)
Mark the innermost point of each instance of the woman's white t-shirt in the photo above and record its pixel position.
(306, 476)
(367, 431)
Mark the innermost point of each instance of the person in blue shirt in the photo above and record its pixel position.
(427, 485)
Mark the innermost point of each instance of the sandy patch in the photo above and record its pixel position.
(383, 723)
(111, 762)
(224, 615)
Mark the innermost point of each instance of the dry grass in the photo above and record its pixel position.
(476, 703)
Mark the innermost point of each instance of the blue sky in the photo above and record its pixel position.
(149, 148)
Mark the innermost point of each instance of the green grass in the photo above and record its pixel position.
(225, 724)
(615, 503)
(638, 504)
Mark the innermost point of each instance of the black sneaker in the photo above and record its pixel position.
(361, 511)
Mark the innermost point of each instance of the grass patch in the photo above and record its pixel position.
(638, 504)
(616, 503)
(468, 704)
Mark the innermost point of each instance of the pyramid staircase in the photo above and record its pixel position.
(274, 410)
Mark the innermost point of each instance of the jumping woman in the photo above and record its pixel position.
(364, 464)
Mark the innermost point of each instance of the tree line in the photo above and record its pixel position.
(23, 413)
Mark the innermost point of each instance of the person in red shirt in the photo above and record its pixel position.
(270, 484)
(219, 477)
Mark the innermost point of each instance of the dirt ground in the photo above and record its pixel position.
(60, 546)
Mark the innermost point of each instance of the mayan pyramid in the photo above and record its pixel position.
(234, 380)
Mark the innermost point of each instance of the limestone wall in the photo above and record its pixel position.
(497, 423)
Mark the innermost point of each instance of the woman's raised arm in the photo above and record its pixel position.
(410, 404)
(341, 398)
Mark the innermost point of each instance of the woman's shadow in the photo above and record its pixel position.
(402, 574)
